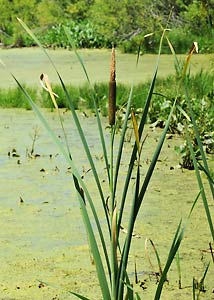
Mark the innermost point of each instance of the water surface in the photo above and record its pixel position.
(42, 236)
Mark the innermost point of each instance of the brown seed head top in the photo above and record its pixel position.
(112, 69)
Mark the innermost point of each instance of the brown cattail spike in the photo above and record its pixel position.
(112, 90)
(113, 69)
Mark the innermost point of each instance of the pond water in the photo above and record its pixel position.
(42, 236)
(27, 64)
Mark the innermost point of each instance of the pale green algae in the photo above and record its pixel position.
(42, 236)
(28, 64)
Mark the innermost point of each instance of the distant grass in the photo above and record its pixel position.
(201, 85)
(201, 91)
(14, 98)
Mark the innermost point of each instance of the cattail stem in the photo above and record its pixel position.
(112, 90)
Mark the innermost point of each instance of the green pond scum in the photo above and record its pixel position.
(43, 237)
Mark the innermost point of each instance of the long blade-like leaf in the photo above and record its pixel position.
(134, 151)
(207, 174)
(153, 162)
(86, 147)
(122, 140)
(197, 135)
(93, 244)
(135, 127)
(156, 254)
(96, 254)
(127, 244)
(201, 186)
(83, 141)
(78, 295)
(72, 108)
(173, 250)
(102, 139)
(140, 131)
(137, 203)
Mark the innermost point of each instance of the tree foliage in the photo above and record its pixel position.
(122, 22)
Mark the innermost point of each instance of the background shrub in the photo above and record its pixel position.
(99, 23)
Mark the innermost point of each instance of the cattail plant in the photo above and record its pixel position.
(112, 273)
(105, 245)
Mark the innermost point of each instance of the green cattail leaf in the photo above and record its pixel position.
(134, 151)
(173, 250)
(199, 142)
(201, 187)
(78, 295)
(154, 161)
(77, 177)
(177, 64)
(68, 157)
(33, 36)
(141, 128)
(102, 139)
(95, 251)
(136, 132)
(121, 143)
(183, 112)
(90, 159)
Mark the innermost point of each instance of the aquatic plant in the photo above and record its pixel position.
(110, 251)
(193, 137)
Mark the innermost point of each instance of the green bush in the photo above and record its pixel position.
(181, 38)
(177, 36)
(145, 45)
(83, 34)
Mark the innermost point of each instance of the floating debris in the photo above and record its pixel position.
(13, 153)
(56, 169)
(21, 201)
(41, 285)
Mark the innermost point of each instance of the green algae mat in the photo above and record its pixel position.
(43, 245)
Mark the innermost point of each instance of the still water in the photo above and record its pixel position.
(42, 235)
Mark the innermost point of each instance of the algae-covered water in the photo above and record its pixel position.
(27, 64)
(42, 237)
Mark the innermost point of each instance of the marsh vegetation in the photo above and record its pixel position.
(128, 185)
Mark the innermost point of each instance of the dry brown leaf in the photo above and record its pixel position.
(45, 83)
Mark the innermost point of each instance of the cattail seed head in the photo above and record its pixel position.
(113, 68)
(112, 90)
